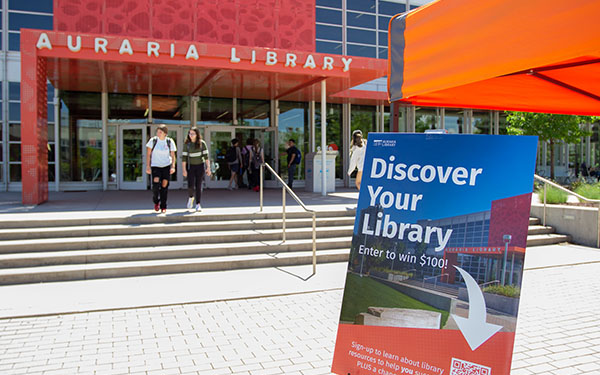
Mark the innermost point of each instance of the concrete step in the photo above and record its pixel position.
(534, 221)
(157, 267)
(126, 229)
(167, 239)
(167, 252)
(539, 229)
(176, 217)
(546, 239)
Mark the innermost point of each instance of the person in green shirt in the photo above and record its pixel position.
(195, 164)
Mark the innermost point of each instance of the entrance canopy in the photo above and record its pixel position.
(534, 55)
(86, 62)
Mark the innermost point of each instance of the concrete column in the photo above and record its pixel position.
(345, 150)
(311, 125)
(324, 137)
(56, 140)
(104, 115)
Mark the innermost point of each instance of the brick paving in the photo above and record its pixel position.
(558, 333)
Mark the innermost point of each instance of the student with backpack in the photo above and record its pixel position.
(246, 167)
(257, 158)
(195, 164)
(294, 157)
(160, 164)
(357, 156)
(234, 159)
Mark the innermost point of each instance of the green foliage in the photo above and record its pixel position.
(553, 195)
(547, 126)
(361, 293)
(589, 191)
(394, 272)
(503, 290)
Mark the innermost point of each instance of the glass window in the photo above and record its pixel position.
(1, 90)
(391, 8)
(253, 112)
(50, 92)
(14, 91)
(383, 53)
(215, 111)
(383, 39)
(44, 6)
(361, 5)
(330, 3)
(414, 7)
(361, 20)
(384, 23)
(15, 172)
(131, 108)
(14, 111)
(362, 36)
(453, 121)
(363, 117)
(425, 118)
(14, 132)
(171, 109)
(329, 32)
(50, 132)
(364, 51)
(51, 112)
(329, 16)
(482, 122)
(51, 153)
(329, 47)
(333, 133)
(18, 21)
(14, 152)
(80, 137)
(14, 41)
(293, 124)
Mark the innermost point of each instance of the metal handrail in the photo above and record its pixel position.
(291, 192)
(489, 282)
(548, 182)
(434, 279)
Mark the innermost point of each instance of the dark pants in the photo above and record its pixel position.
(195, 178)
(254, 177)
(160, 193)
(291, 173)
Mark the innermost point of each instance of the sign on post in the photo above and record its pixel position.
(437, 255)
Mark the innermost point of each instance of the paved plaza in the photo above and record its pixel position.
(259, 321)
(558, 330)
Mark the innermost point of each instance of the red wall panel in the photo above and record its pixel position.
(288, 24)
(510, 216)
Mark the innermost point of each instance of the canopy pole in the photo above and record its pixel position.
(323, 138)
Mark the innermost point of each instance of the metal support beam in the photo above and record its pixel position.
(104, 115)
(323, 137)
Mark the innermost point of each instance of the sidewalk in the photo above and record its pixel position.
(264, 321)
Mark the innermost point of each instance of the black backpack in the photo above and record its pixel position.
(298, 157)
(231, 155)
(155, 140)
(246, 157)
(257, 159)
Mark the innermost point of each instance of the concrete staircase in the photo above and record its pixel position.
(76, 249)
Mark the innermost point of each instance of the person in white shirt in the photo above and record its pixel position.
(160, 163)
(357, 156)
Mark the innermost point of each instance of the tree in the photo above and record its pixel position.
(549, 128)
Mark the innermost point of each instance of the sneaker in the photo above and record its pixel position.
(156, 207)
(163, 211)
(229, 188)
(190, 204)
(198, 208)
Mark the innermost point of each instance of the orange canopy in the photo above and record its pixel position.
(523, 55)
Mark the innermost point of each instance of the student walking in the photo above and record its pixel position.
(294, 156)
(160, 164)
(357, 156)
(257, 158)
(195, 164)
(234, 161)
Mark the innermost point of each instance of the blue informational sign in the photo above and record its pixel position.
(438, 215)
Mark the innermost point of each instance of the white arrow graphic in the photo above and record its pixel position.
(475, 329)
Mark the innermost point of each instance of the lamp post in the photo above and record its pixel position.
(506, 238)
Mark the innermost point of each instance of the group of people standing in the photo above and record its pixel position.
(245, 161)
(161, 164)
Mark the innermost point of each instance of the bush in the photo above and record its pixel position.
(503, 290)
(589, 191)
(553, 195)
(394, 272)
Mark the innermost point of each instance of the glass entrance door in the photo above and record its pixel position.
(219, 140)
(132, 157)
